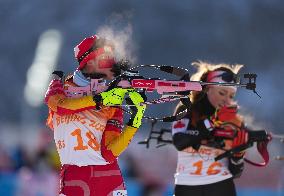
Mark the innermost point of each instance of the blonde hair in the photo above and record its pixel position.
(203, 68)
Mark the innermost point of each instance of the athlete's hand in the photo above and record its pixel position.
(55, 87)
(135, 99)
(236, 166)
(113, 97)
(241, 138)
(227, 119)
(227, 114)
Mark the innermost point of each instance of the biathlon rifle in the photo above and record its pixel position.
(259, 137)
(170, 90)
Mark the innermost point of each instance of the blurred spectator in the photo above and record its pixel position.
(39, 178)
(6, 163)
(29, 173)
(281, 182)
(8, 178)
(153, 168)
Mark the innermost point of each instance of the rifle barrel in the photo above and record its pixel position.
(281, 137)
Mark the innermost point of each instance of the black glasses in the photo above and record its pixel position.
(227, 77)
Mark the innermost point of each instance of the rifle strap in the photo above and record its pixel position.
(262, 149)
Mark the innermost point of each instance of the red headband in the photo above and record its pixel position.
(215, 76)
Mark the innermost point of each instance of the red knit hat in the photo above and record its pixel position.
(89, 48)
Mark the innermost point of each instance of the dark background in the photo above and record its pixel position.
(157, 32)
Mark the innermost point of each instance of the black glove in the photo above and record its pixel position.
(192, 137)
(203, 133)
(236, 166)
